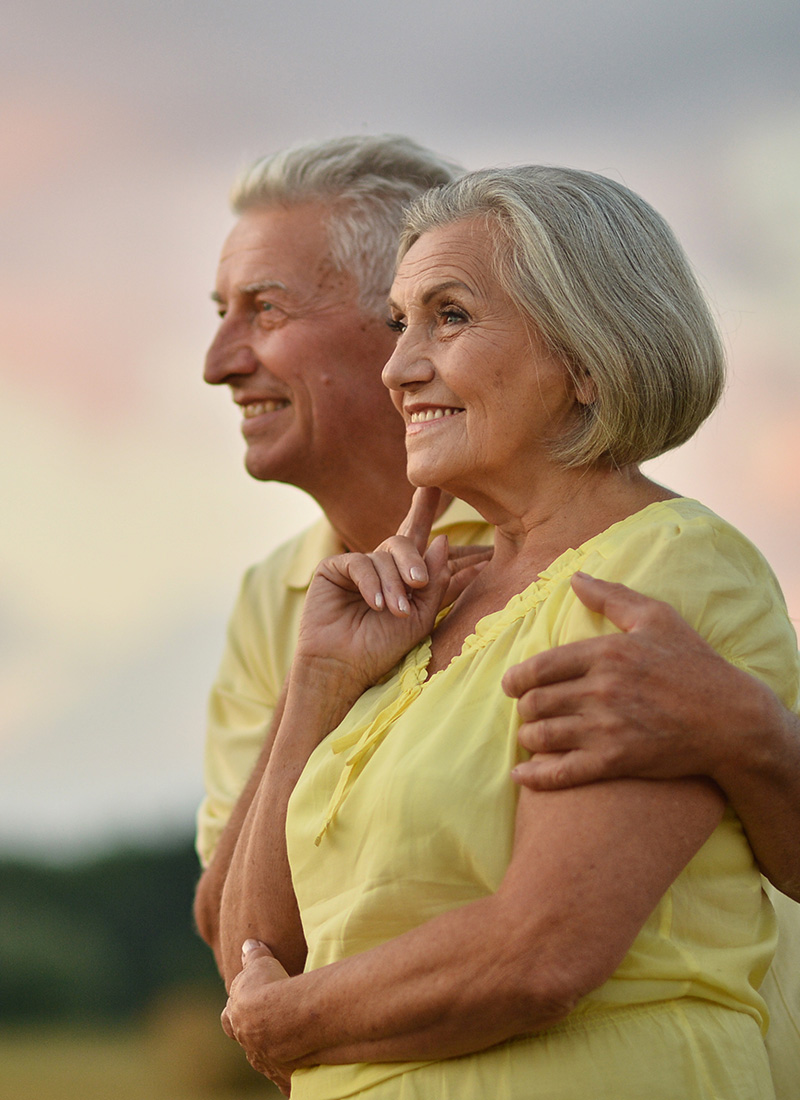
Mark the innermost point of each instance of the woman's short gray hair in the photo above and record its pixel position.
(602, 278)
(367, 182)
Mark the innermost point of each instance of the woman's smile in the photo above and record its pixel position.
(479, 392)
(418, 417)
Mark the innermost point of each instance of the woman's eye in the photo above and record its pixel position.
(396, 325)
(451, 316)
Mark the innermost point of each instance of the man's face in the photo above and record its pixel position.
(301, 358)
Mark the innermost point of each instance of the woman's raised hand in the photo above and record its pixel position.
(363, 612)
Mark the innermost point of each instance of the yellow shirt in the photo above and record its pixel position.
(680, 1017)
(781, 991)
(261, 639)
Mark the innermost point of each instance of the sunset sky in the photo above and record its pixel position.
(127, 517)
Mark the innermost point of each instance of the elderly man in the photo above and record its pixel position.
(301, 291)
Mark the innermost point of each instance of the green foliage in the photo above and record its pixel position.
(177, 1052)
(99, 940)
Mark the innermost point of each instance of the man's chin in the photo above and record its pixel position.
(270, 466)
(260, 468)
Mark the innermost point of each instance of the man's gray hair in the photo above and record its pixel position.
(600, 276)
(366, 183)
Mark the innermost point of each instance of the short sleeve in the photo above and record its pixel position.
(241, 704)
(712, 576)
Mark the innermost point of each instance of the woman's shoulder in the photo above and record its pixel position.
(681, 552)
(663, 550)
(678, 540)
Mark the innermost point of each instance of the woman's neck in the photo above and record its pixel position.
(526, 544)
(573, 506)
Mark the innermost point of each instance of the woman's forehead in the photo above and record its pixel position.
(453, 256)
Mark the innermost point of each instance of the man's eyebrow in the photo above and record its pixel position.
(253, 288)
(263, 284)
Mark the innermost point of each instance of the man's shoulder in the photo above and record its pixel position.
(291, 565)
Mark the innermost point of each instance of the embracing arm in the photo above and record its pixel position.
(589, 865)
(656, 701)
(208, 895)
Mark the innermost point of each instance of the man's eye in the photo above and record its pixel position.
(265, 307)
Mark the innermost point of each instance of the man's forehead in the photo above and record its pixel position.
(276, 248)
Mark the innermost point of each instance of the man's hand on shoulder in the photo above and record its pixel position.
(654, 701)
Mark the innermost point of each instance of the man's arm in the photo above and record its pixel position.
(657, 702)
(208, 896)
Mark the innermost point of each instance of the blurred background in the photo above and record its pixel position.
(127, 517)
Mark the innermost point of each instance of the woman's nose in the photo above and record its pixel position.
(407, 366)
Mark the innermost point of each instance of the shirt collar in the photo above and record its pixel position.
(321, 541)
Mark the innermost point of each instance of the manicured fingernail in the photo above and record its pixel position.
(417, 574)
(379, 600)
(403, 605)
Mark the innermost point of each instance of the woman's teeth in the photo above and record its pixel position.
(432, 414)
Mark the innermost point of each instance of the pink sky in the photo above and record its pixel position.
(127, 516)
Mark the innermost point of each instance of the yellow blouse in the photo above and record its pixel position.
(407, 810)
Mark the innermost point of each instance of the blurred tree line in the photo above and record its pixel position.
(100, 940)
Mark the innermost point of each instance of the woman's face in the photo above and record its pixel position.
(481, 396)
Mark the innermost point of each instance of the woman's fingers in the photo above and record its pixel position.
(469, 554)
(409, 561)
(418, 523)
(462, 578)
(379, 580)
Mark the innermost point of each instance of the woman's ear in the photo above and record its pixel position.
(585, 388)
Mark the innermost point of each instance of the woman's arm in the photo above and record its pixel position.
(656, 701)
(588, 867)
(359, 619)
(257, 896)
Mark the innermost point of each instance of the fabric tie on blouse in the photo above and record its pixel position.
(369, 738)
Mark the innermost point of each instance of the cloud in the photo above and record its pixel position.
(123, 124)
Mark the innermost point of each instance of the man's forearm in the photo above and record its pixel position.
(764, 789)
(208, 896)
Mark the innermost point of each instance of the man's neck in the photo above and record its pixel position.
(366, 513)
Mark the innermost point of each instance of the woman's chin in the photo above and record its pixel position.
(424, 478)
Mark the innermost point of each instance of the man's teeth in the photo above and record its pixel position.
(432, 414)
(260, 407)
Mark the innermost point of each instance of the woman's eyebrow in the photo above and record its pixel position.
(448, 284)
(431, 292)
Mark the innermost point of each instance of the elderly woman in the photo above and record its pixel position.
(442, 933)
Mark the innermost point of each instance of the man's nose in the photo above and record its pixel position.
(229, 355)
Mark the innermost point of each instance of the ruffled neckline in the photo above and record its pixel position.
(488, 628)
(361, 742)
